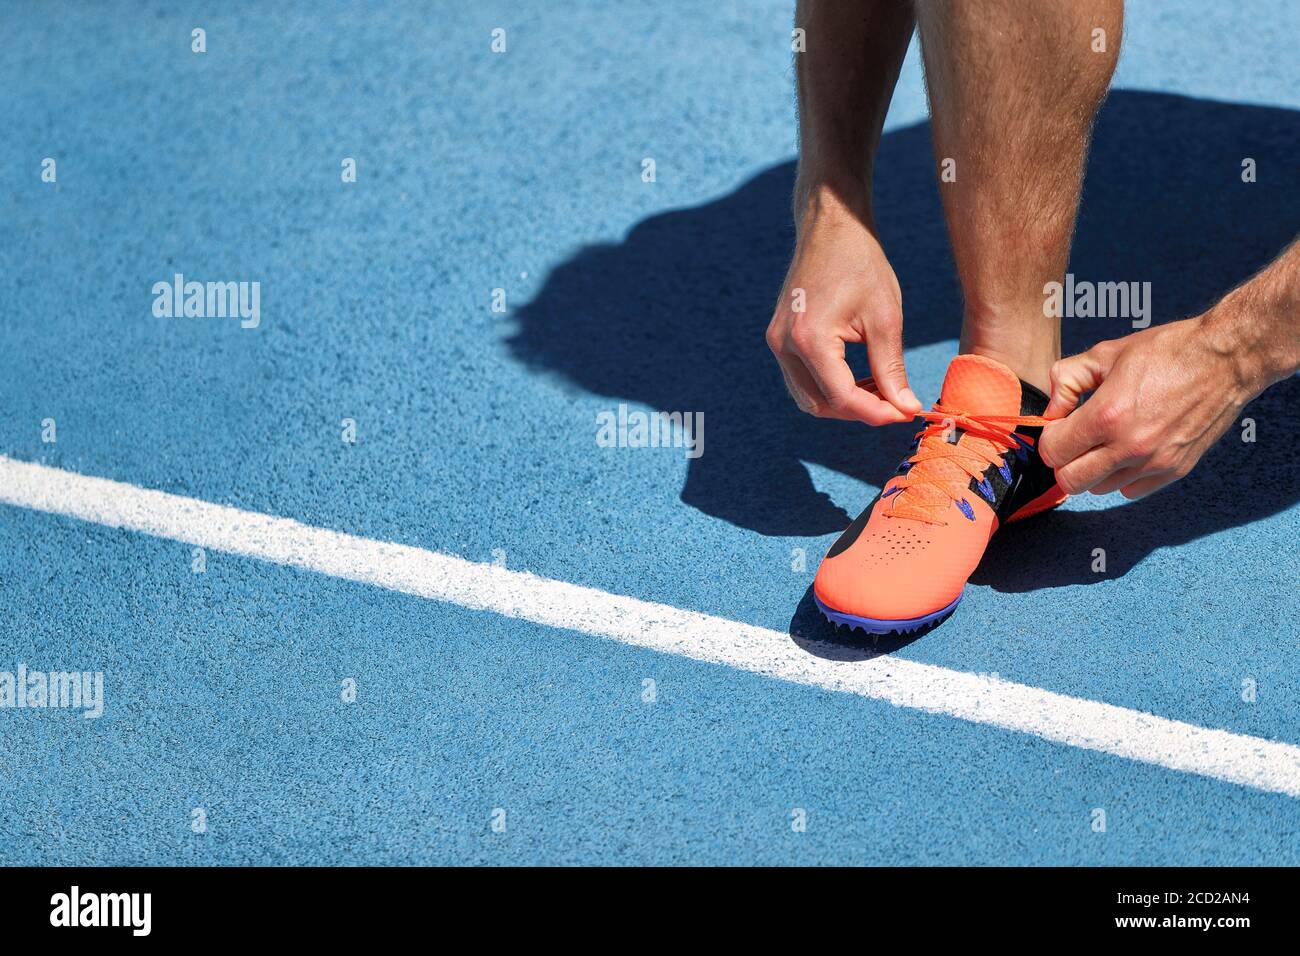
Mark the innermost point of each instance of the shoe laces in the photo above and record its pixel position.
(948, 466)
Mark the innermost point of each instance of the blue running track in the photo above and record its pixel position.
(475, 436)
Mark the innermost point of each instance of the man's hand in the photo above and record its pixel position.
(1166, 394)
(1163, 396)
(841, 289)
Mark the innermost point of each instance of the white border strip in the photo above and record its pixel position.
(1219, 754)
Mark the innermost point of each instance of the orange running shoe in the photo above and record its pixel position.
(904, 562)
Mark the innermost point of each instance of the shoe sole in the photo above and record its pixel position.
(873, 625)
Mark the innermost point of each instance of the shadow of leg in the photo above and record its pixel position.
(673, 315)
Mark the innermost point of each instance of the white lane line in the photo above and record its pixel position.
(1220, 754)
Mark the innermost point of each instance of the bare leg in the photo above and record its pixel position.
(1014, 86)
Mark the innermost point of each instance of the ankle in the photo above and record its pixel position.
(1030, 365)
(1034, 370)
(1022, 339)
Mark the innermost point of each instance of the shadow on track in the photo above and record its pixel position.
(673, 317)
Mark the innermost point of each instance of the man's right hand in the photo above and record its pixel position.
(841, 289)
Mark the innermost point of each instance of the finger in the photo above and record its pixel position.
(1073, 376)
(885, 353)
(843, 397)
(1091, 425)
(1145, 486)
(1090, 469)
(1118, 479)
(799, 383)
(1065, 440)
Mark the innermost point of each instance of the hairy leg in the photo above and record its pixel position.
(1014, 86)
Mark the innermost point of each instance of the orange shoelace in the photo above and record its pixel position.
(948, 466)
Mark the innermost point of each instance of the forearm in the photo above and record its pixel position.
(1258, 324)
(845, 80)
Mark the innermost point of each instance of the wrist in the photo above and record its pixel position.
(1255, 348)
(822, 198)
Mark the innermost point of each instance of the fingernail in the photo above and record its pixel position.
(909, 398)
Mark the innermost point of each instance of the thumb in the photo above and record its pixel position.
(885, 354)
(1073, 376)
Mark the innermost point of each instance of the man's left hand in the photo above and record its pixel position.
(1163, 396)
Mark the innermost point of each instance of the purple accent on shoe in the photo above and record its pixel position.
(985, 489)
(878, 626)
(1004, 470)
(964, 507)
(893, 490)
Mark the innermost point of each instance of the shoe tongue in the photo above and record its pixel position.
(980, 386)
